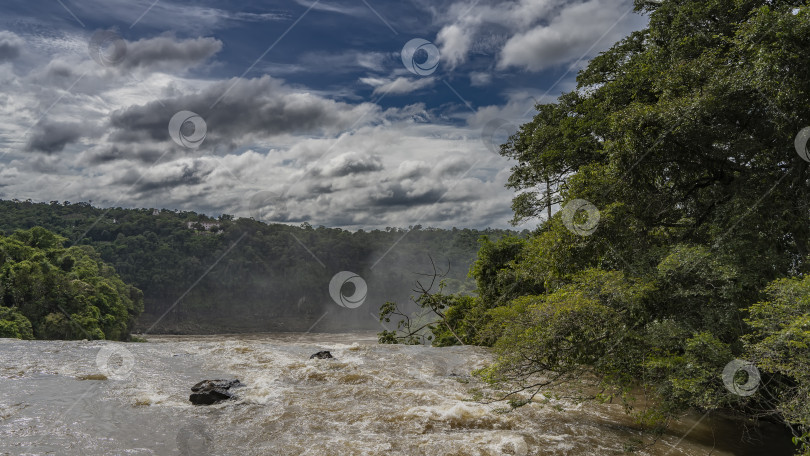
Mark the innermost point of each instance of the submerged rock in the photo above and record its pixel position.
(322, 355)
(209, 392)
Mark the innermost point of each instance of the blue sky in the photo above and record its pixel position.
(309, 111)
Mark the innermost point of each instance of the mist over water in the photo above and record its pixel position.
(371, 400)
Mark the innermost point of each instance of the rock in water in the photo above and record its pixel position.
(209, 392)
(322, 355)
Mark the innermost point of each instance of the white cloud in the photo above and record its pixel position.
(354, 165)
(399, 85)
(534, 34)
(454, 41)
(480, 79)
(579, 31)
(77, 131)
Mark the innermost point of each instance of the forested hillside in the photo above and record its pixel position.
(48, 291)
(262, 277)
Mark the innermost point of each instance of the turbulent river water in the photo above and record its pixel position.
(103, 398)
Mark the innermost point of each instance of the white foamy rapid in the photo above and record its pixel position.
(102, 398)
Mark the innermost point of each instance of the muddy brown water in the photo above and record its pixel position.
(104, 398)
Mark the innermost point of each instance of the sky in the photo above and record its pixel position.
(342, 113)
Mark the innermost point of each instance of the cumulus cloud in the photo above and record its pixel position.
(240, 110)
(165, 53)
(399, 85)
(10, 45)
(108, 153)
(578, 31)
(100, 132)
(350, 164)
(51, 137)
(467, 26)
(533, 34)
(165, 177)
(454, 41)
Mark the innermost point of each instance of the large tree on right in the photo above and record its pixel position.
(678, 171)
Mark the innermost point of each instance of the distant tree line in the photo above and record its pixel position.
(273, 277)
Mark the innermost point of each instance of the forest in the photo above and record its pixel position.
(674, 269)
(49, 291)
(241, 275)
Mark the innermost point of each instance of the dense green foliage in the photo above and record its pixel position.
(262, 277)
(48, 291)
(780, 344)
(682, 137)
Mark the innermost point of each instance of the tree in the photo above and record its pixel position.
(780, 344)
(48, 291)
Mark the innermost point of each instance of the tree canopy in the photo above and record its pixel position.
(48, 291)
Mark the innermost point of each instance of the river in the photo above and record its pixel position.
(105, 398)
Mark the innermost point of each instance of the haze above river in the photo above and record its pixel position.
(371, 400)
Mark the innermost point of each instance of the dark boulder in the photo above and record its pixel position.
(322, 355)
(209, 392)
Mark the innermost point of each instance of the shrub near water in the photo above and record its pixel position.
(48, 291)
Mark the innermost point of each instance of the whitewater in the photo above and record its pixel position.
(107, 398)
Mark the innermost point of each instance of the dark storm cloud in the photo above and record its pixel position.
(113, 153)
(252, 108)
(186, 175)
(349, 164)
(51, 137)
(168, 53)
(10, 45)
(320, 188)
(395, 194)
(357, 167)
